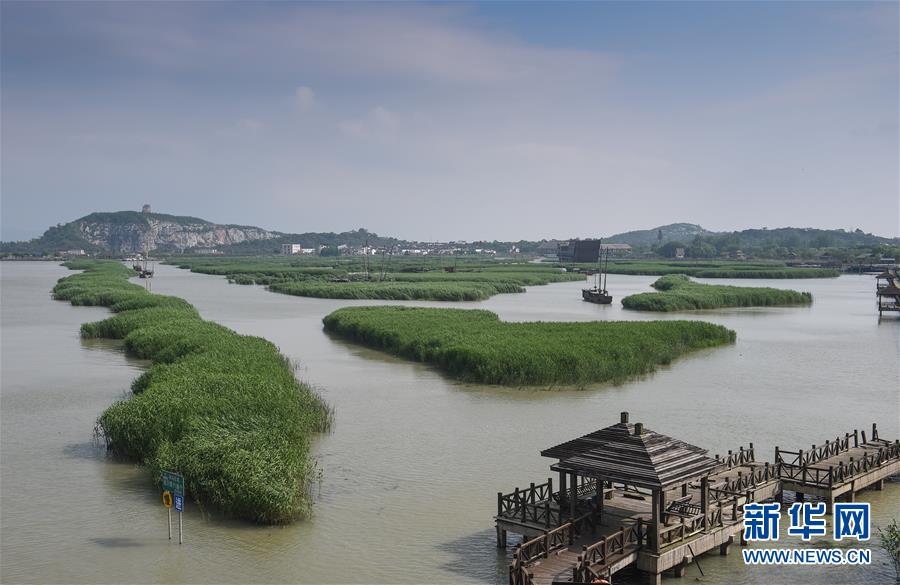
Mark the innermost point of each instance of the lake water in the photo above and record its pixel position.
(411, 470)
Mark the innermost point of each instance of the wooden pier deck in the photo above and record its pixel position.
(611, 525)
(839, 468)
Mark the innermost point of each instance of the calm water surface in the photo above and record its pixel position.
(411, 470)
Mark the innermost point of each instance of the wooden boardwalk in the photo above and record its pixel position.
(616, 525)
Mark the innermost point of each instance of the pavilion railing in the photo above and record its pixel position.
(550, 541)
(540, 505)
(684, 529)
(592, 558)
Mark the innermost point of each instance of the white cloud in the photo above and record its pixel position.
(304, 98)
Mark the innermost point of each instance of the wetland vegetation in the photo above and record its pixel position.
(223, 409)
(713, 269)
(438, 279)
(677, 292)
(476, 346)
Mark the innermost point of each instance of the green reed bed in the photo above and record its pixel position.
(397, 279)
(223, 409)
(713, 269)
(476, 346)
(677, 292)
(398, 291)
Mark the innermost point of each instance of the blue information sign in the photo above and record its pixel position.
(179, 503)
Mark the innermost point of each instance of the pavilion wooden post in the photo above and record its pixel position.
(662, 506)
(653, 533)
(599, 500)
(573, 498)
(704, 501)
(562, 493)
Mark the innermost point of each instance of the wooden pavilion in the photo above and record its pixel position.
(629, 496)
(639, 460)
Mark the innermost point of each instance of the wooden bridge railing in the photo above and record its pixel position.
(737, 458)
(684, 529)
(864, 464)
(829, 449)
(828, 477)
(756, 477)
(537, 504)
(509, 504)
(550, 541)
(726, 506)
(599, 553)
(520, 574)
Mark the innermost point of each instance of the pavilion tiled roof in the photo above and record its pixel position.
(632, 454)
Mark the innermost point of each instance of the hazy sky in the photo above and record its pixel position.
(453, 121)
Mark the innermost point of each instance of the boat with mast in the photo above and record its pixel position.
(598, 294)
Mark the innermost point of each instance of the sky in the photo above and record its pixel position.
(453, 121)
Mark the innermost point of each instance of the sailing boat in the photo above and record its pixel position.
(596, 294)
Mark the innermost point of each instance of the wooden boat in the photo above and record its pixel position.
(598, 294)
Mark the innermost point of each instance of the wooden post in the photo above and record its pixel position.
(600, 496)
(704, 500)
(562, 493)
(874, 432)
(653, 533)
(573, 499)
(723, 548)
(662, 507)
(499, 503)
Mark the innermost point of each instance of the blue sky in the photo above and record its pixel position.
(453, 120)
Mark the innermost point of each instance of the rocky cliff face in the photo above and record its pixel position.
(159, 233)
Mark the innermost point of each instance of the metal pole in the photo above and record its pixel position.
(180, 528)
(169, 514)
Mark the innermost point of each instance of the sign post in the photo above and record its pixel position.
(167, 502)
(173, 493)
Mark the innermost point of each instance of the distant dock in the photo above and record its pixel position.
(887, 291)
(628, 496)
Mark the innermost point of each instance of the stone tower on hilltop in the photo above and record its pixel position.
(145, 208)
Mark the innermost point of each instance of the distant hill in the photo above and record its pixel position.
(131, 232)
(684, 232)
(768, 243)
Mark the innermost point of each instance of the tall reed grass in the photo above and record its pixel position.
(677, 292)
(223, 409)
(402, 278)
(715, 269)
(474, 345)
